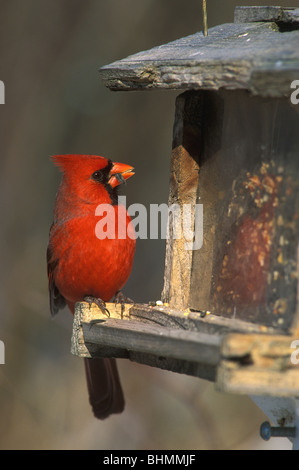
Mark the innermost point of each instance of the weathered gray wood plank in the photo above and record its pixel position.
(126, 336)
(291, 16)
(172, 349)
(147, 335)
(163, 316)
(266, 13)
(160, 337)
(259, 365)
(229, 57)
(157, 336)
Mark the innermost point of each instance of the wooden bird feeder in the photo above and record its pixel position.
(229, 310)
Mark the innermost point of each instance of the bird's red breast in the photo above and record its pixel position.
(89, 265)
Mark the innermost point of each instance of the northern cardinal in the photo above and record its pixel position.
(81, 265)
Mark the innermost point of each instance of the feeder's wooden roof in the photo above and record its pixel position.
(258, 52)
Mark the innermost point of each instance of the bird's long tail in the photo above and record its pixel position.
(104, 387)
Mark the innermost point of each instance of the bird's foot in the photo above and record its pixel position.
(121, 299)
(99, 302)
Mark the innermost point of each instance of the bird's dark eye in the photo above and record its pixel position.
(98, 176)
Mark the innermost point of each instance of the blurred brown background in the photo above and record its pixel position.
(55, 103)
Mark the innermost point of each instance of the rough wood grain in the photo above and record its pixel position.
(259, 365)
(158, 336)
(257, 381)
(232, 56)
(183, 191)
(255, 361)
(146, 335)
(85, 313)
(172, 343)
(266, 13)
(195, 320)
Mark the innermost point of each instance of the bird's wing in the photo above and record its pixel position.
(57, 301)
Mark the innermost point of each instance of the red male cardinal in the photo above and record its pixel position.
(80, 265)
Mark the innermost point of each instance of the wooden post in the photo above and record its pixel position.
(183, 190)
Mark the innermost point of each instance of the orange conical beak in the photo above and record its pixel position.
(119, 173)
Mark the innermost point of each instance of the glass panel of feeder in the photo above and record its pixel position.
(249, 187)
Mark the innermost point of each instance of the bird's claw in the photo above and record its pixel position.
(121, 299)
(99, 302)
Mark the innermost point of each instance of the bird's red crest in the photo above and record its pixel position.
(74, 161)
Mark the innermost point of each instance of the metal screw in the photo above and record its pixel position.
(267, 431)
